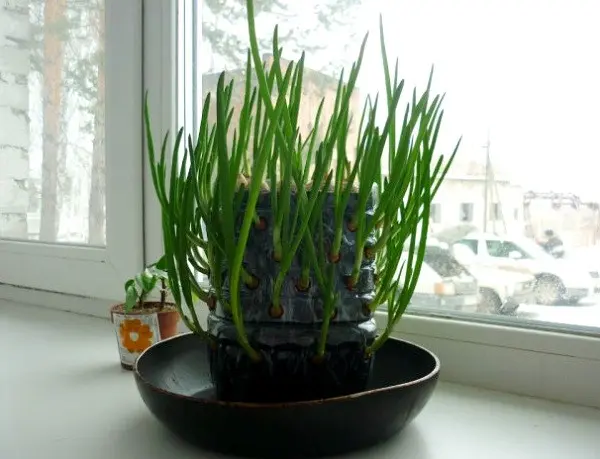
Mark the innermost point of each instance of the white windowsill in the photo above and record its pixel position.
(65, 396)
(552, 366)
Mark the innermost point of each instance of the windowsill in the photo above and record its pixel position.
(504, 358)
(65, 390)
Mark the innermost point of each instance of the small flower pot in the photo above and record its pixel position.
(139, 329)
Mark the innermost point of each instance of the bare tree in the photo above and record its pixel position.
(97, 203)
(54, 17)
(85, 80)
(224, 32)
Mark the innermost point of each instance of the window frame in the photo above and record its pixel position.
(99, 272)
(161, 65)
(526, 361)
(511, 357)
(168, 80)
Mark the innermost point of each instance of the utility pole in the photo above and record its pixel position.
(486, 183)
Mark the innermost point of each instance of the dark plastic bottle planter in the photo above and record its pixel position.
(289, 369)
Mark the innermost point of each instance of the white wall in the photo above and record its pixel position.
(454, 191)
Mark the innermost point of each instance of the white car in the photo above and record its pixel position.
(556, 280)
(444, 283)
(588, 258)
(501, 290)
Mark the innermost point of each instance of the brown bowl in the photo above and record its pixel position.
(174, 381)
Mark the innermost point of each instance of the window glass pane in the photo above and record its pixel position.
(524, 167)
(466, 212)
(471, 243)
(502, 249)
(443, 263)
(496, 211)
(52, 185)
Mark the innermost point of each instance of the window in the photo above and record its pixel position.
(466, 212)
(480, 98)
(472, 244)
(504, 249)
(70, 145)
(496, 211)
(78, 213)
(436, 213)
(443, 263)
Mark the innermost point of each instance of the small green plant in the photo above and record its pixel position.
(209, 193)
(143, 284)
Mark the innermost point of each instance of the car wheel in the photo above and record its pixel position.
(489, 302)
(548, 290)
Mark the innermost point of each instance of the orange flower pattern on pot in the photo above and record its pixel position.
(135, 335)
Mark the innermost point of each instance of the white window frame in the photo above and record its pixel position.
(86, 270)
(168, 78)
(554, 365)
(161, 65)
(521, 360)
(550, 364)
